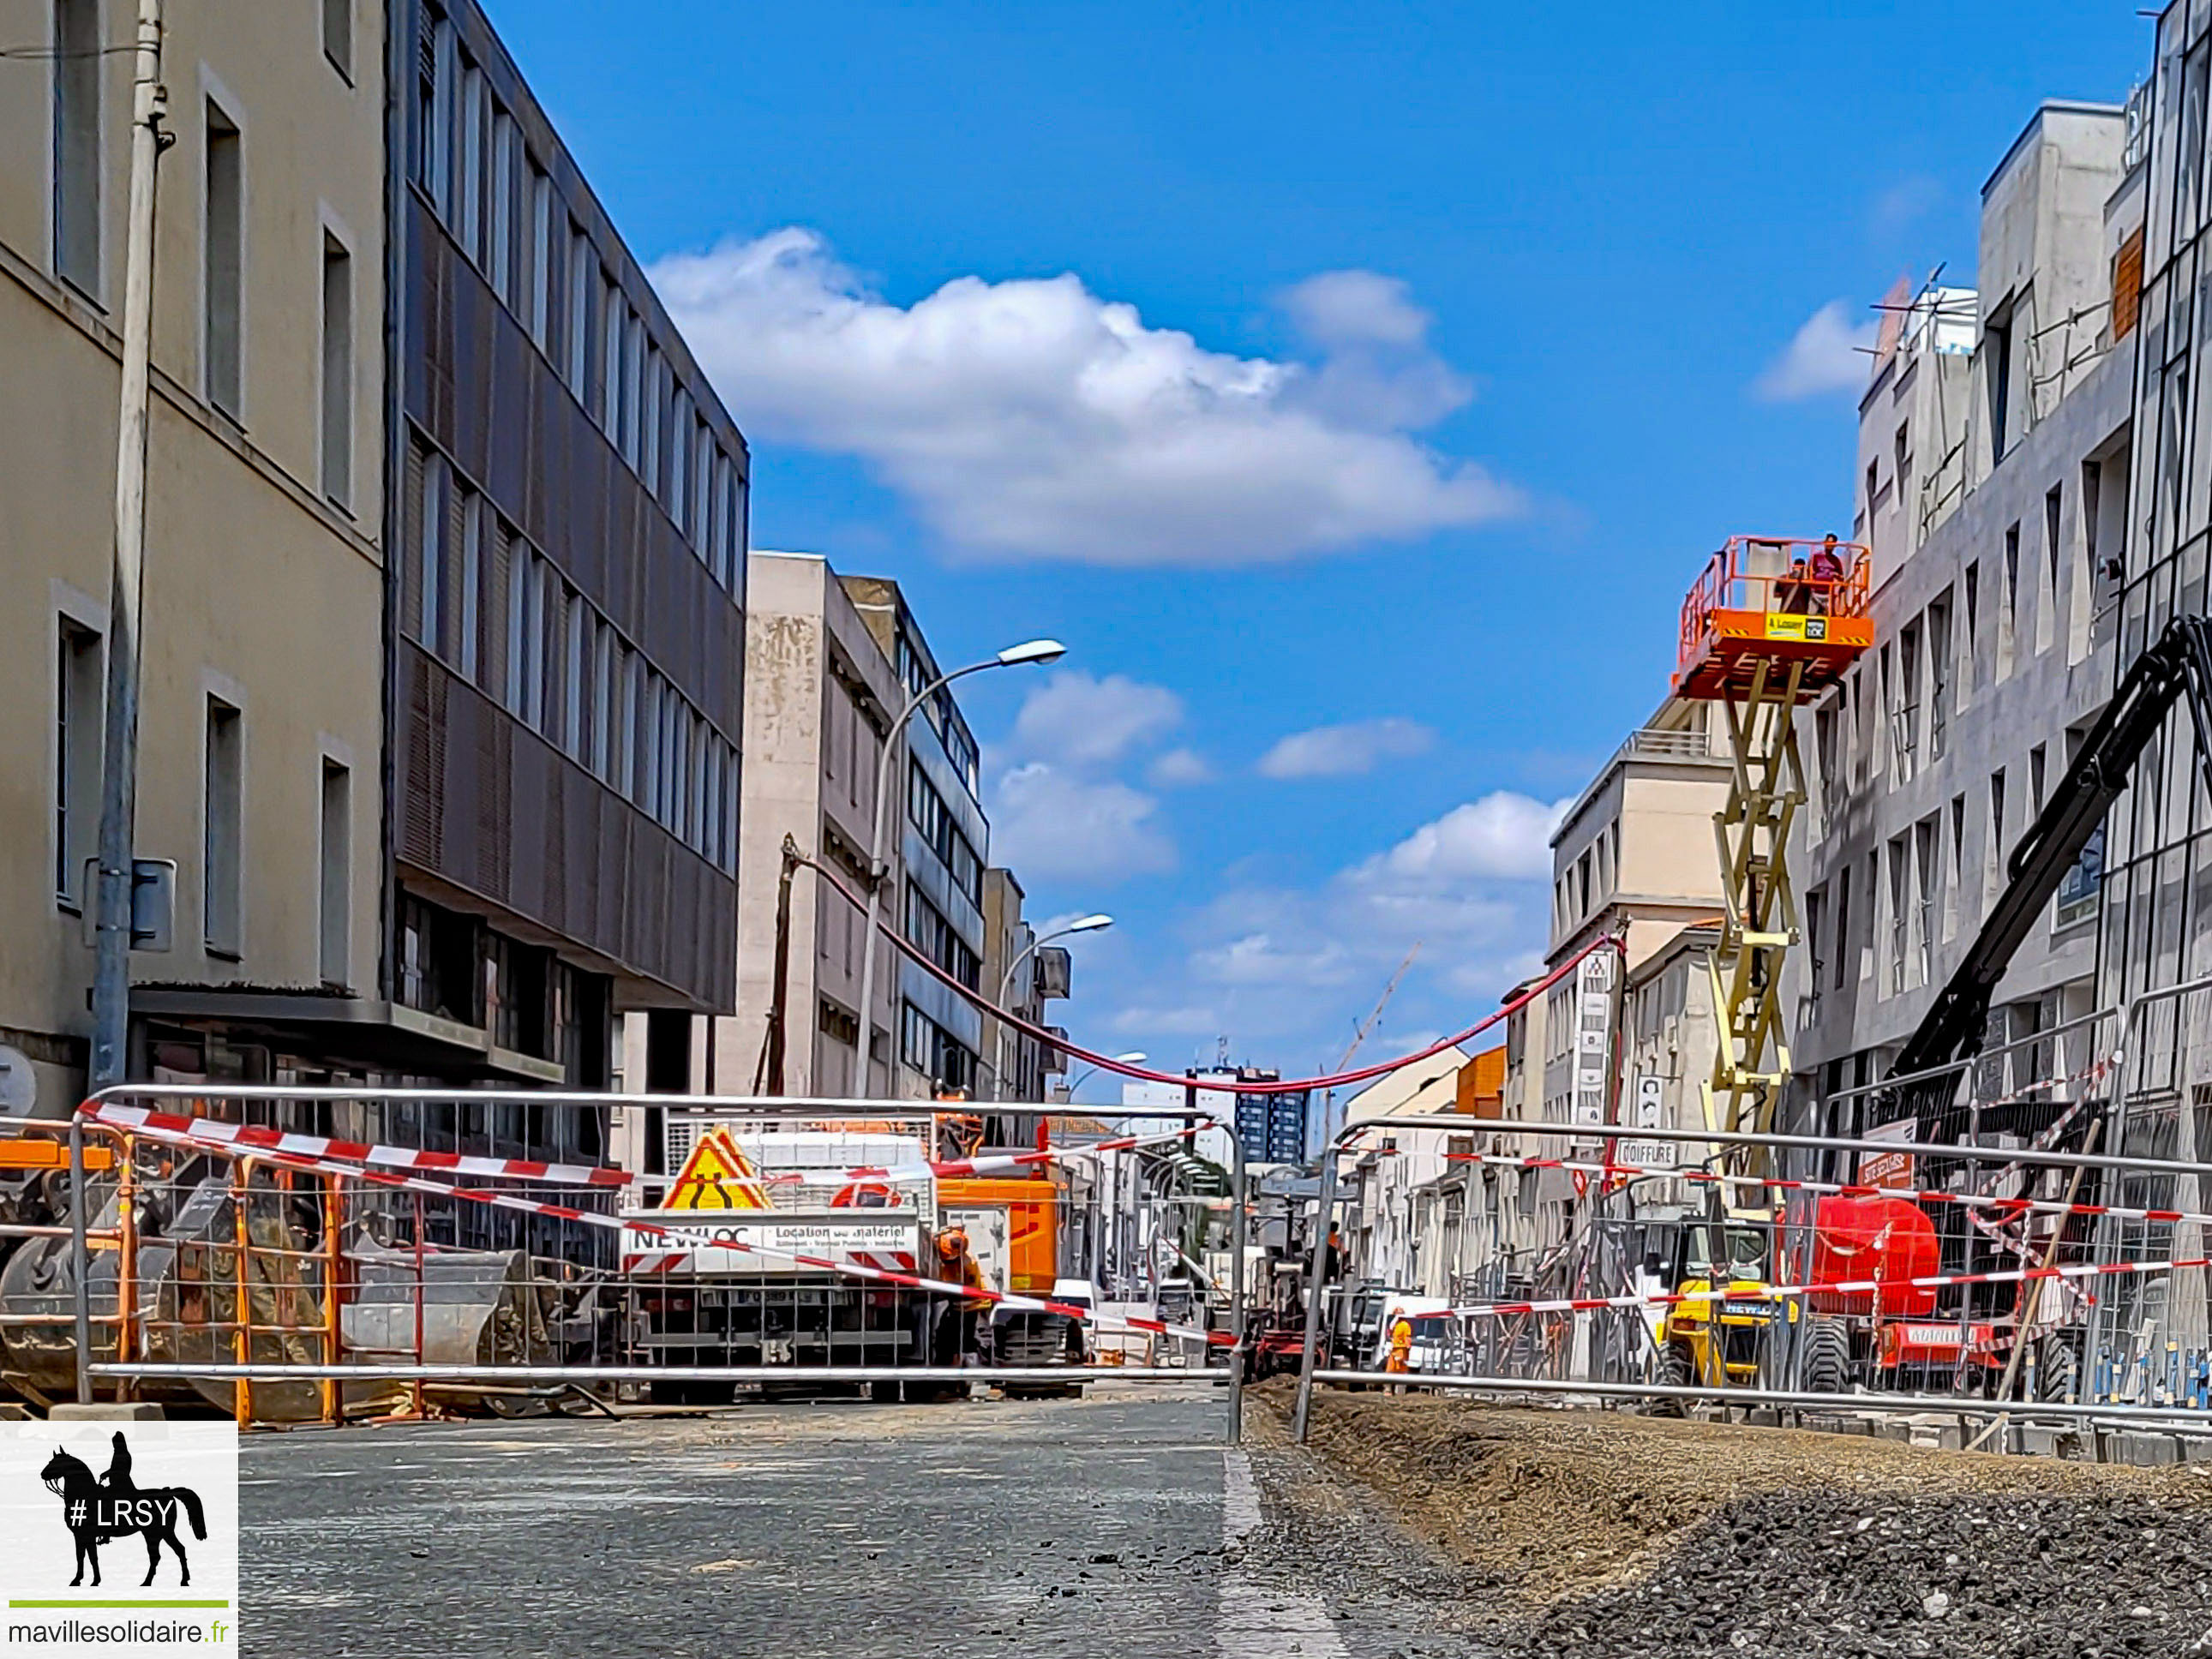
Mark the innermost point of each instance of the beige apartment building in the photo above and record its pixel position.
(259, 739)
(820, 695)
(1634, 855)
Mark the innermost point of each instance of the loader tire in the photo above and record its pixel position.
(1673, 1372)
(1827, 1357)
(2057, 1368)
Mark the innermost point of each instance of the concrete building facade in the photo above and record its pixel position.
(830, 660)
(820, 696)
(260, 730)
(935, 893)
(1995, 438)
(1018, 1067)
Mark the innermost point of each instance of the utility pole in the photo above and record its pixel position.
(110, 988)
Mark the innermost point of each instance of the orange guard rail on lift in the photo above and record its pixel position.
(1741, 615)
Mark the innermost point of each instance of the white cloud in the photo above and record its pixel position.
(1075, 719)
(1356, 308)
(1032, 418)
(1503, 836)
(1289, 971)
(1179, 768)
(1827, 354)
(1339, 752)
(1262, 959)
(1047, 822)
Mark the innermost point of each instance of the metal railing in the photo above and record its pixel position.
(288, 1287)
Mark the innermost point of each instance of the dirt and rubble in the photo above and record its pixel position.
(1597, 1532)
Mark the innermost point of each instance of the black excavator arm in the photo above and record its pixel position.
(2177, 663)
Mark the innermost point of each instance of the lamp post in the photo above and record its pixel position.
(1014, 656)
(1091, 924)
(1134, 1057)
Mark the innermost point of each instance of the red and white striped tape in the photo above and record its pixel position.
(2005, 1209)
(246, 1138)
(1847, 1287)
(186, 1136)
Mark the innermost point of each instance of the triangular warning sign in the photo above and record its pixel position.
(718, 1176)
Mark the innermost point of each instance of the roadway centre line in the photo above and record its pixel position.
(1256, 1623)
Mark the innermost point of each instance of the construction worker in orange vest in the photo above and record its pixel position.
(1401, 1359)
(959, 1336)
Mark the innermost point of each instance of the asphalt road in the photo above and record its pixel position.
(842, 1530)
(1116, 1525)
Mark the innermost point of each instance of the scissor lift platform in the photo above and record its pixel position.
(1762, 634)
(1755, 613)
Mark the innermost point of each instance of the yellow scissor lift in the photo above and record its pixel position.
(1761, 634)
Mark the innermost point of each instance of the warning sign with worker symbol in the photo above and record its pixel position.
(718, 1176)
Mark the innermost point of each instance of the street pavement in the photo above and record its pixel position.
(1114, 1525)
(842, 1530)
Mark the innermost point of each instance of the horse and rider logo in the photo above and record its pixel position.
(97, 1510)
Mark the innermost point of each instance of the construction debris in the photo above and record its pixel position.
(1577, 1532)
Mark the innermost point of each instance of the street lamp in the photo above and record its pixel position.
(1090, 924)
(1014, 656)
(1134, 1057)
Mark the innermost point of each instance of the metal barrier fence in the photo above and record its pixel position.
(233, 1253)
(2063, 1175)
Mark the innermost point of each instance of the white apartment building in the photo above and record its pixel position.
(1994, 444)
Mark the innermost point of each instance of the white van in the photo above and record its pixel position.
(1439, 1344)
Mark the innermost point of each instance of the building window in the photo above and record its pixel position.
(1996, 345)
(2046, 598)
(222, 264)
(576, 299)
(541, 255)
(77, 144)
(337, 890)
(1899, 915)
(629, 682)
(1993, 865)
(927, 1049)
(337, 372)
(437, 488)
(337, 35)
(2008, 604)
(224, 815)
(603, 698)
(1954, 867)
(467, 218)
(1843, 949)
(78, 706)
(654, 404)
(578, 615)
(680, 427)
(499, 250)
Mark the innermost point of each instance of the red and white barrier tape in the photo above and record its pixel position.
(247, 1138)
(1847, 1287)
(686, 1233)
(2004, 1206)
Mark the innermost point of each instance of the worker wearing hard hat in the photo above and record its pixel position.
(958, 1328)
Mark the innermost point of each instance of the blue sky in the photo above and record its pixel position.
(1448, 496)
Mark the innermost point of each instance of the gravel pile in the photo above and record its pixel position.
(1598, 1534)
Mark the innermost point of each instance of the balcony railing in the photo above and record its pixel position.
(1652, 743)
